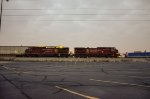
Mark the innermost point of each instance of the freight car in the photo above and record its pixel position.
(96, 52)
(138, 55)
(12, 51)
(47, 52)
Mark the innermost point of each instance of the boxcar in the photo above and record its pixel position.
(138, 55)
(12, 50)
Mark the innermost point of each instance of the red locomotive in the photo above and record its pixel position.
(47, 52)
(96, 52)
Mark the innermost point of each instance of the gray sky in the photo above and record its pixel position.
(76, 23)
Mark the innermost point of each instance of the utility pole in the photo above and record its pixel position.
(1, 13)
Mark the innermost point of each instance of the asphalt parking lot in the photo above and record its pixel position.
(74, 80)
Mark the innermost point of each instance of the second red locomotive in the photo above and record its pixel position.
(96, 52)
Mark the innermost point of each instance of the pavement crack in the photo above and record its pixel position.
(21, 91)
(45, 77)
(146, 83)
(104, 71)
(62, 79)
(57, 91)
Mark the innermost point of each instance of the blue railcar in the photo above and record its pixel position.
(138, 55)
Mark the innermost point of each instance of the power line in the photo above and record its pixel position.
(77, 20)
(73, 9)
(74, 14)
(28, 0)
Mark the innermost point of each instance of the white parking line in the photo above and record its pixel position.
(119, 83)
(76, 93)
(138, 77)
(131, 76)
(6, 68)
(12, 69)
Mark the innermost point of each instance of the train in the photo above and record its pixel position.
(79, 52)
(57, 51)
(61, 51)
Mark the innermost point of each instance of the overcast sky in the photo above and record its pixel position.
(124, 24)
